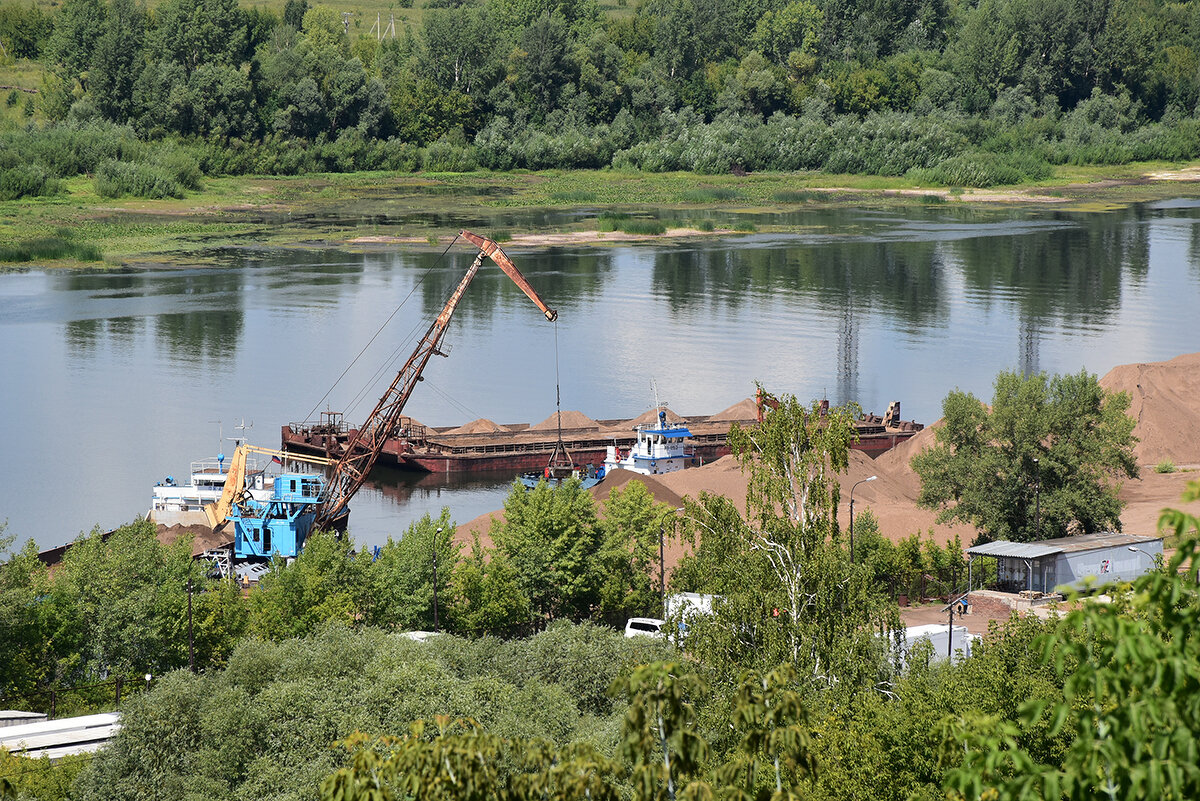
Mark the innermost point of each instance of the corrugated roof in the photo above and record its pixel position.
(1084, 542)
(1015, 550)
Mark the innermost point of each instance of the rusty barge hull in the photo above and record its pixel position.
(518, 447)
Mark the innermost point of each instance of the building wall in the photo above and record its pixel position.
(1117, 563)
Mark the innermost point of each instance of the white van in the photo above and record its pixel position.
(644, 627)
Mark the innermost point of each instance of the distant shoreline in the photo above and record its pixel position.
(382, 208)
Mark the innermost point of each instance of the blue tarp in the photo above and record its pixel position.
(671, 433)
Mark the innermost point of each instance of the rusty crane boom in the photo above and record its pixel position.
(364, 447)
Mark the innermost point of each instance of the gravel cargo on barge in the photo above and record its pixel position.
(483, 446)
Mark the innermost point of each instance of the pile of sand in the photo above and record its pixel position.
(617, 479)
(570, 419)
(1165, 402)
(650, 417)
(742, 410)
(480, 426)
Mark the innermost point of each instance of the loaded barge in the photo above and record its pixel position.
(483, 446)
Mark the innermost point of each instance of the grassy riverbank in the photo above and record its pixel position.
(338, 209)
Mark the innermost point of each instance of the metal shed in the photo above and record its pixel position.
(1066, 562)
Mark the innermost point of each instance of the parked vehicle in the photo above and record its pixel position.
(644, 627)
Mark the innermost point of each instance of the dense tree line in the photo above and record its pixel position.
(974, 94)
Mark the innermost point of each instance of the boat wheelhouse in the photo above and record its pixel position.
(660, 448)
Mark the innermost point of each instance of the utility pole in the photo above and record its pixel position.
(191, 638)
(435, 608)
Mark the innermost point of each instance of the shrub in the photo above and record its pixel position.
(705, 225)
(121, 178)
(444, 156)
(745, 226)
(26, 180)
(643, 227)
(1165, 466)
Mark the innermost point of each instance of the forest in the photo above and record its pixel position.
(148, 100)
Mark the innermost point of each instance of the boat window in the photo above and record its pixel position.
(256, 533)
(293, 485)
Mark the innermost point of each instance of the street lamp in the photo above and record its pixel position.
(864, 481)
(435, 610)
(662, 563)
(1149, 556)
(1037, 498)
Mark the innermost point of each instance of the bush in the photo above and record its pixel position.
(121, 178)
(1165, 466)
(982, 169)
(443, 156)
(26, 180)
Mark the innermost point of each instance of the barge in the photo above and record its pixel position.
(483, 446)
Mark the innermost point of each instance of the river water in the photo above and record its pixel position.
(113, 380)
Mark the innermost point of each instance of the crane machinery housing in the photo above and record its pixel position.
(302, 502)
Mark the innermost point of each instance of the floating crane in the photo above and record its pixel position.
(365, 445)
(303, 502)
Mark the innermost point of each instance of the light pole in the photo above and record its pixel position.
(1037, 498)
(435, 610)
(864, 481)
(662, 564)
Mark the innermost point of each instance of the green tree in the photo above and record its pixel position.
(485, 595)
(1043, 459)
(790, 592)
(78, 26)
(325, 583)
(551, 537)
(633, 523)
(118, 60)
(400, 580)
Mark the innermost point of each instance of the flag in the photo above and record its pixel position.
(276, 460)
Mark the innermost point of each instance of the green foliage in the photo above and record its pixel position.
(789, 592)
(551, 537)
(121, 178)
(263, 725)
(661, 743)
(399, 584)
(27, 180)
(1165, 466)
(486, 595)
(633, 525)
(22, 778)
(23, 28)
(1130, 673)
(1042, 457)
(325, 583)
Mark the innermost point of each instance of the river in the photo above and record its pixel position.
(113, 380)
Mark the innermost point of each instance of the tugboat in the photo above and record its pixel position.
(661, 448)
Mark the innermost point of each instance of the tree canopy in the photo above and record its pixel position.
(1042, 461)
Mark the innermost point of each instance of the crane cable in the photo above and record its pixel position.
(395, 311)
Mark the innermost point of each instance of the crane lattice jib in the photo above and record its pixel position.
(365, 446)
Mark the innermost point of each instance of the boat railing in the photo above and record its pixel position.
(214, 466)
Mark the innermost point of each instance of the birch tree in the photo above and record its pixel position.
(789, 591)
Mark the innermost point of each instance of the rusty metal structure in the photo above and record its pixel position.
(364, 446)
